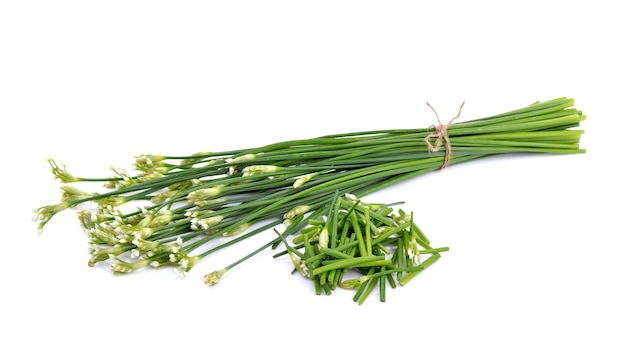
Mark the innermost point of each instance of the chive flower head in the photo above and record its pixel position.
(214, 277)
(61, 174)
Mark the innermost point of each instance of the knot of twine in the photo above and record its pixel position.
(441, 133)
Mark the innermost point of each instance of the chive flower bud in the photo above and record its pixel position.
(299, 264)
(123, 267)
(90, 219)
(186, 263)
(45, 213)
(205, 203)
(140, 232)
(102, 236)
(353, 283)
(351, 197)
(323, 238)
(148, 162)
(124, 181)
(113, 201)
(196, 157)
(214, 277)
(205, 223)
(240, 229)
(145, 246)
(305, 178)
(163, 218)
(148, 176)
(247, 157)
(163, 196)
(413, 251)
(197, 213)
(296, 211)
(261, 169)
(203, 194)
(99, 254)
(61, 174)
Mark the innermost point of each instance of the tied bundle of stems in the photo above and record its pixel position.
(172, 208)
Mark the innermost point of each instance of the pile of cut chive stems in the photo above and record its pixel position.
(170, 210)
(380, 246)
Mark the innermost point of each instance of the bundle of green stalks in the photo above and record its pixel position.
(171, 209)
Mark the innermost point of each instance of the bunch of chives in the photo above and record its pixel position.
(170, 210)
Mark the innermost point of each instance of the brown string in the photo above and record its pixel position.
(441, 133)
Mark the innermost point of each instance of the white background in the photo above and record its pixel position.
(537, 242)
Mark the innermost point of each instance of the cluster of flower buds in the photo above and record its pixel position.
(161, 231)
(131, 243)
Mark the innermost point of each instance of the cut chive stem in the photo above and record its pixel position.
(367, 261)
